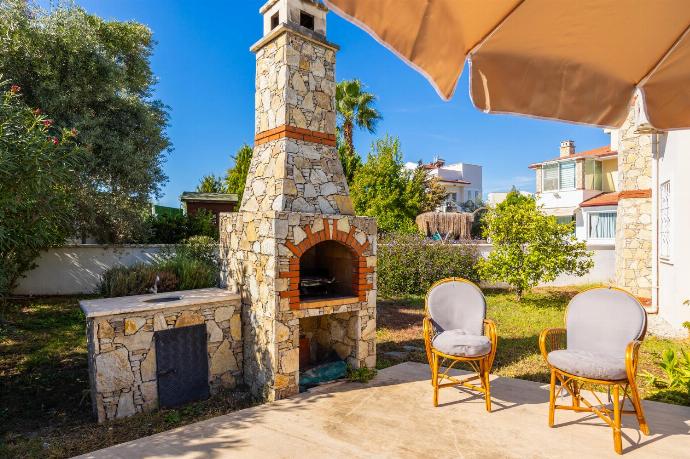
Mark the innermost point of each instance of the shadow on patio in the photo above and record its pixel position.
(394, 416)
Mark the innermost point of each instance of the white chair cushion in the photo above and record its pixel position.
(461, 344)
(589, 364)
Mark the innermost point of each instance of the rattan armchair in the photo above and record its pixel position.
(456, 330)
(605, 327)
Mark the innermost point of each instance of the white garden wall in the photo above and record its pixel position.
(77, 269)
(604, 270)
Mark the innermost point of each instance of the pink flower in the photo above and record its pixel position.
(37, 111)
(47, 123)
(15, 89)
(55, 140)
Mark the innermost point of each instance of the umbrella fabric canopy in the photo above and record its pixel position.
(579, 61)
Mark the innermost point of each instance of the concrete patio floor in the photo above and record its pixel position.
(393, 417)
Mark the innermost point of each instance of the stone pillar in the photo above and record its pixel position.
(634, 220)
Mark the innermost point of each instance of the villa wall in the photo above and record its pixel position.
(634, 220)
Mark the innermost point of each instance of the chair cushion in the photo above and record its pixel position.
(589, 364)
(461, 344)
(455, 305)
(604, 320)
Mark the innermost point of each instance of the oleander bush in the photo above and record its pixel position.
(410, 264)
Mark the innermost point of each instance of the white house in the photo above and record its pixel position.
(496, 197)
(462, 181)
(581, 186)
(652, 250)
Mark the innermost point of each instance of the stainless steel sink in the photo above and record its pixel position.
(163, 299)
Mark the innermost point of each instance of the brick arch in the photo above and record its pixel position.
(330, 232)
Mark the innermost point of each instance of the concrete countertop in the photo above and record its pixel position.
(139, 303)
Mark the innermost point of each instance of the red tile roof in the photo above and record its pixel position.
(600, 152)
(603, 199)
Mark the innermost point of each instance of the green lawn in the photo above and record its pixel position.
(45, 406)
(45, 409)
(519, 325)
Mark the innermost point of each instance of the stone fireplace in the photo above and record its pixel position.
(304, 264)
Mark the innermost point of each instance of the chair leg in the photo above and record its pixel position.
(486, 384)
(434, 376)
(552, 397)
(639, 411)
(617, 441)
(576, 394)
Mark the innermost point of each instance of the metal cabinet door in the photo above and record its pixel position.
(182, 365)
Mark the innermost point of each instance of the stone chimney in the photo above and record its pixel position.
(567, 148)
(304, 264)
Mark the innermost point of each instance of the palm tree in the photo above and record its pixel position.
(355, 108)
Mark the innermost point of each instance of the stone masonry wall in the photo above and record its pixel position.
(634, 220)
(335, 332)
(123, 355)
(259, 252)
(296, 175)
(295, 84)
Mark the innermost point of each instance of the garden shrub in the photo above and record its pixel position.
(191, 273)
(410, 264)
(136, 280)
(187, 266)
(674, 385)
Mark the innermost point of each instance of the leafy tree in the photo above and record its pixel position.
(435, 192)
(529, 247)
(37, 182)
(211, 184)
(237, 174)
(385, 189)
(355, 109)
(350, 162)
(175, 228)
(93, 75)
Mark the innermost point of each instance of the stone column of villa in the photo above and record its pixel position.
(634, 220)
(296, 221)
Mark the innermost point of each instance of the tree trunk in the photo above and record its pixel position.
(347, 133)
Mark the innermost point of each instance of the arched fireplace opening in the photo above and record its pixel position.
(327, 270)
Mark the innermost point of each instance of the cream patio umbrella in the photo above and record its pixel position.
(574, 60)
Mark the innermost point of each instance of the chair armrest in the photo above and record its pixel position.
(632, 359)
(490, 332)
(551, 339)
(428, 336)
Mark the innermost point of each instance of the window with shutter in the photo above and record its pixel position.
(550, 177)
(567, 175)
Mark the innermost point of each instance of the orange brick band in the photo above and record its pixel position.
(631, 194)
(294, 133)
(360, 270)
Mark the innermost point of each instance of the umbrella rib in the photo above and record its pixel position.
(664, 57)
(495, 29)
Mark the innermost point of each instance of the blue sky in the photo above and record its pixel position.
(206, 76)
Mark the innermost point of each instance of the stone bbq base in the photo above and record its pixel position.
(122, 352)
